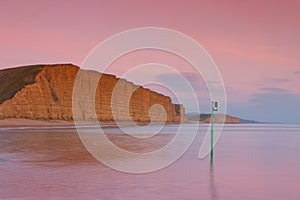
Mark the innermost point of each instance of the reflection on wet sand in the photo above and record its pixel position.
(212, 184)
(140, 145)
(48, 147)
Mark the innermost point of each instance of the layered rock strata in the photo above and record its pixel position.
(45, 92)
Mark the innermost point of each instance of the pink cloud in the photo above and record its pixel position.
(250, 41)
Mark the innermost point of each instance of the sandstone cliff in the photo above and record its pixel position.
(45, 92)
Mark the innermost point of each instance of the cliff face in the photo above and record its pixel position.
(45, 92)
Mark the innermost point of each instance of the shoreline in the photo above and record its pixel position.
(17, 123)
(20, 122)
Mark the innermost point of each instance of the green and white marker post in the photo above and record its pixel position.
(214, 107)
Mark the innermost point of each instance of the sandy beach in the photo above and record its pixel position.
(12, 122)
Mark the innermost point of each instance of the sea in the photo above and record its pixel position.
(250, 162)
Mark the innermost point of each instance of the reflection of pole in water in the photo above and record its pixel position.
(212, 185)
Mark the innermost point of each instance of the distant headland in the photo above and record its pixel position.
(218, 118)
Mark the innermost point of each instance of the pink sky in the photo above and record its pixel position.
(255, 44)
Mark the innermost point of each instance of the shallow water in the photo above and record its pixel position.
(252, 161)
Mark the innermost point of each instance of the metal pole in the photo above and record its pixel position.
(212, 132)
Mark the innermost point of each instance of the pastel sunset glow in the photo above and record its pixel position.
(255, 44)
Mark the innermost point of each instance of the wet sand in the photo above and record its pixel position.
(11, 122)
(251, 162)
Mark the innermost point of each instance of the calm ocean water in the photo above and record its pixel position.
(252, 161)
